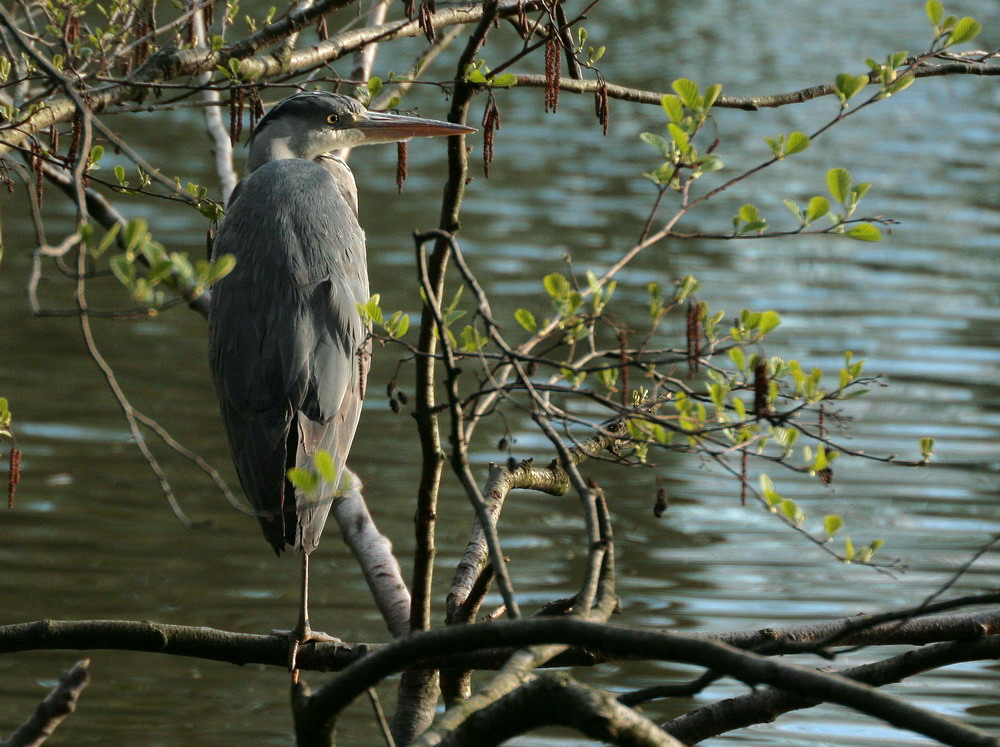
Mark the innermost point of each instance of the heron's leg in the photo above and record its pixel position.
(302, 632)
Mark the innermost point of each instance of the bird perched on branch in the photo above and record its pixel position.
(288, 350)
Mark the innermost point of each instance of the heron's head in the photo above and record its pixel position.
(308, 125)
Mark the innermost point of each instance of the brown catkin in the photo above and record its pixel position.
(553, 65)
(427, 9)
(744, 484)
(491, 123)
(693, 337)
(601, 106)
(401, 168)
(662, 502)
(760, 387)
(14, 476)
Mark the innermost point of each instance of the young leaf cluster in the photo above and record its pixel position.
(479, 73)
(396, 326)
(847, 195)
(594, 54)
(687, 112)
(307, 479)
(144, 264)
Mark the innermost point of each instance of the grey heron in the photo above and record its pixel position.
(287, 347)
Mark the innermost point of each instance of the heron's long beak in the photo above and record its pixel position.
(379, 127)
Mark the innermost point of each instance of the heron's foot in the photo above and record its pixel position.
(296, 637)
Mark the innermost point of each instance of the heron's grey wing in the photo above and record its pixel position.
(286, 339)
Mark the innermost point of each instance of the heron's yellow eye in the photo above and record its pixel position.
(332, 119)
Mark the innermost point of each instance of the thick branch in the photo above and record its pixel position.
(171, 63)
(245, 648)
(556, 699)
(747, 667)
(753, 103)
(766, 705)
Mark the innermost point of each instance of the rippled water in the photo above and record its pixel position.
(91, 536)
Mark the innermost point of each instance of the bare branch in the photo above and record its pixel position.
(57, 705)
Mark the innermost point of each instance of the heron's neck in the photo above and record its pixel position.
(269, 149)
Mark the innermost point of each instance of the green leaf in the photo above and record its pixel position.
(303, 479)
(792, 511)
(688, 91)
(688, 285)
(832, 524)
(673, 107)
(767, 488)
(504, 80)
(221, 267)
(818, 207)
(135, 231)
(934, 11)
(896, 59)
(794, 209)
(160, 271)
(556, 285)
(749, 213)
(865, 232)
(657, 141)
(107, 240)
(839, 183)
(902, 82)
(848, 85)
(324, 465)
(927, 447)
(120, 175)
(526, 319)
(848, 549)
(711, 162)
(738, 357)
(608, 377)
(679, 136)
(399, 324)
(796, 143)
(655, 300)
(768, 320)
(858, 191)
(712, 94)
(374, 85)
(472, 340)
(123, 269)
(965, 30)
(96, 153)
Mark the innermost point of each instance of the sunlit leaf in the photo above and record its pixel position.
(769, 320)
(711, 95)
(679, 136)
(556, 285)
(688, 91)
(839, 183)
(934, 11)
(796, 143)
(526, 319)
(673, 107)
(504, 80)
(965, 30)
(865, 232)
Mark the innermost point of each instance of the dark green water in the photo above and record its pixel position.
(92, 537)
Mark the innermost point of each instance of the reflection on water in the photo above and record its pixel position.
(92, 536)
